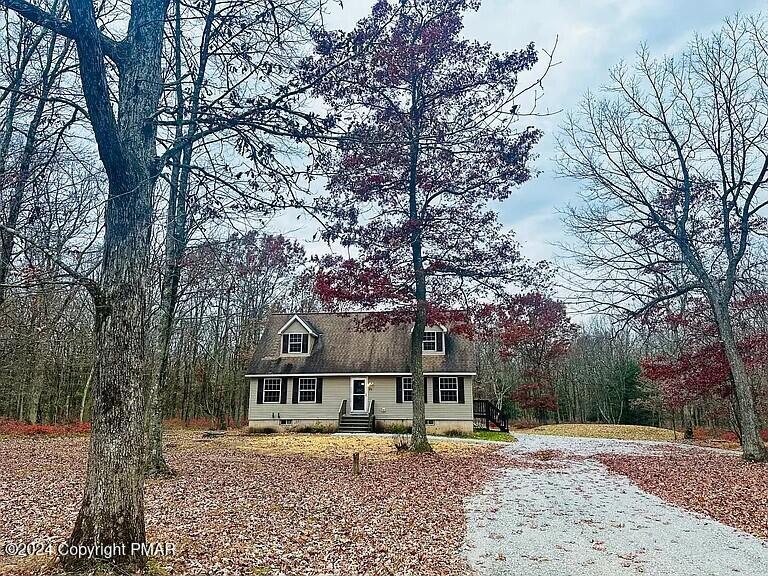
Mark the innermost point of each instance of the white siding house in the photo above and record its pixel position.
(330, 369)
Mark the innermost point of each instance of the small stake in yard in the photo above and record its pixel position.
(356, 463)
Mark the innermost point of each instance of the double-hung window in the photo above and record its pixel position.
(407, 389)
(307, 389)
(449, 389)
(272, 388)
(294, 343)
(430, 342)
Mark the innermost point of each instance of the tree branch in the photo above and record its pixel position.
(110, 47)
(84, 280)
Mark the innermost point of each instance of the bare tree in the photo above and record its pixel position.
(233, 102)
(674, 158)
(32, 123)
(123, 84)
(112, 510)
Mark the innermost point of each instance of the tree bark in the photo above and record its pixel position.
(419, 442)
(752, 446)
(112, 510)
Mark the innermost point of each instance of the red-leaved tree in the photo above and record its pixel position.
(694, 368)
(532, 331)
(427, 120)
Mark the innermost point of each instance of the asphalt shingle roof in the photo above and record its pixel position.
(344, 347)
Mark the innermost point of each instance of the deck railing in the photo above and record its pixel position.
(372, 417)
(487, 411)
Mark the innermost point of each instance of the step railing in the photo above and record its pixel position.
(371, 417)
(342, 410)
(486, 410)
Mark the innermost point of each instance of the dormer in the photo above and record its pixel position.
(297, 337)
(434, 341)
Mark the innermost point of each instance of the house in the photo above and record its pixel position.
(323, 368)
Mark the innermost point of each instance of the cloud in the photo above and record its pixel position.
(593, 36)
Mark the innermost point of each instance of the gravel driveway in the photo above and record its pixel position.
(575, 518)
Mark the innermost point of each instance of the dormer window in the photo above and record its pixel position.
(433, 342)
(295, 343)
(296, 337)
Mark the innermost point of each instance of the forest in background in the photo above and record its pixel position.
(152, 150)
(231, 268)
(534, 361)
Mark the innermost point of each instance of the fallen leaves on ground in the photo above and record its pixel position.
(542, 460)
(722, 486)
(244, 505)
(615, 431)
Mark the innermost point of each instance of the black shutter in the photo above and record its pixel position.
(260, 391)
(285, 344)
(439, 341)
(399, 390)
(425, 380)
(295, 399)
(283, 390)
(461, 389)
(319, 391)
(436, 390)
(304, 343)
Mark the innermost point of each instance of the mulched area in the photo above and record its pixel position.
(722, 486)
(244, 505)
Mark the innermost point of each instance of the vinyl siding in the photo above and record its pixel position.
(382, 389)
(384, 392)
(335, 389)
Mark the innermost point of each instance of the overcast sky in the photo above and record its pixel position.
(594, 35)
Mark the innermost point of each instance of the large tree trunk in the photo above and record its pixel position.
(112, 511)
(752, 446)
(419, 442)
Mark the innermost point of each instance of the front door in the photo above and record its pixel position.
(359, 395)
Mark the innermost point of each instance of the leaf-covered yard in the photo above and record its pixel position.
(615, 431)
(716, 484)
(245, 505)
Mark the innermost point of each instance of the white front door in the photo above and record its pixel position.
(359, 394)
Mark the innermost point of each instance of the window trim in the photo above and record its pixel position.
(292, 342)
(403, 389)
(271, 382)
(433, 342)
(454, 380)
(436, 336)
(314, 390)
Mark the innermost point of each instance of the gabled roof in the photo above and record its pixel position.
(344, 347)
(297, 318)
